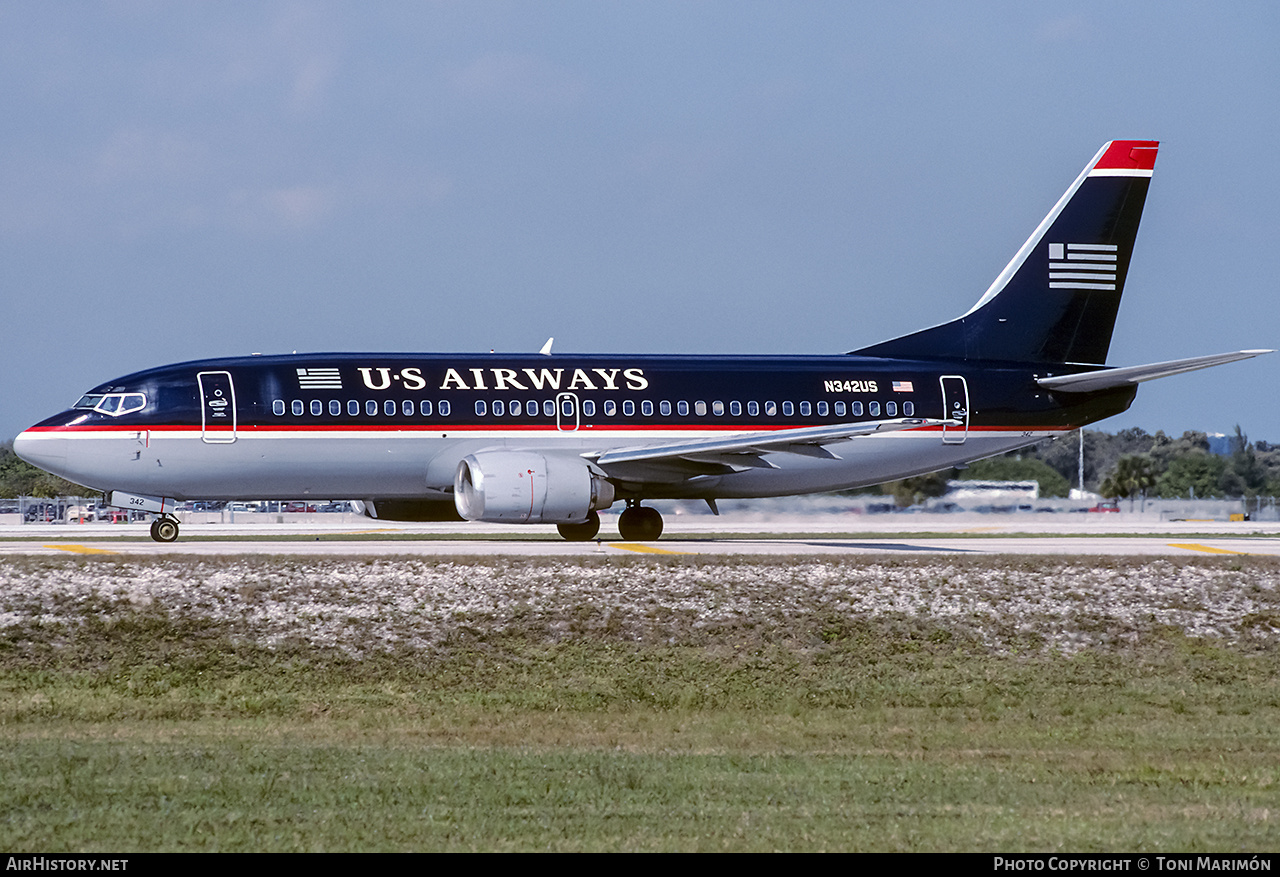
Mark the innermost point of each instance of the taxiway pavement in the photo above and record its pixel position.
(782, 535)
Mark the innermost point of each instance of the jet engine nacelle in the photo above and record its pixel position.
(525, 487)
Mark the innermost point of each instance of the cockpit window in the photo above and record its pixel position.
(114, 404)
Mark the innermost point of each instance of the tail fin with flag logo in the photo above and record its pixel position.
(1056, 301)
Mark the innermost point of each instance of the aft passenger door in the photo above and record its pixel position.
(217, 408)
(955, 406)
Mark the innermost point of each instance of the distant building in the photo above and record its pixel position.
(1220, 444)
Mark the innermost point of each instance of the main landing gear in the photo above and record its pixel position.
(635, 524)
(164, 529)
(584, 532)
(639, 523)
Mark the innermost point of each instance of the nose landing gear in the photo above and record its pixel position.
(164, 529)
(639, 523)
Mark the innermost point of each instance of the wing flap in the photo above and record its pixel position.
(1109, 378)
(744, 450)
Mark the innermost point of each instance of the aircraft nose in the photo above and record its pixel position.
(39, 449)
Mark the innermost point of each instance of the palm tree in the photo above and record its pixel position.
(1133, 475)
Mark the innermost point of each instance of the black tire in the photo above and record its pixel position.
(640, 524)
(583, 532)
(164, 530)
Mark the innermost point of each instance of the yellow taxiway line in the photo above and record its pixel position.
(1208, 549)
(82, 549)
(644, 549)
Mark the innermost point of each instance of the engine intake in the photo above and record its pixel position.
(525, 487)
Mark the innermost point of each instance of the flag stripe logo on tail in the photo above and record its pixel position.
(319, 379)
(1082, 266)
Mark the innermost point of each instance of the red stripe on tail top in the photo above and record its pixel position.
(1129, 155)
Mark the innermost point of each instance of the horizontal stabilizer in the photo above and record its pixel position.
(1108, 378)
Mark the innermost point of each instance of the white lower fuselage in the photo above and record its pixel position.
(401, 463)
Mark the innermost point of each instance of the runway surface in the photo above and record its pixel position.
(799, 535)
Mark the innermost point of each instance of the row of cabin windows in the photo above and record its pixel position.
(390, 408)
(499, 407)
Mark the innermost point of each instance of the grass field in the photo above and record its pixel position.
(266, 703)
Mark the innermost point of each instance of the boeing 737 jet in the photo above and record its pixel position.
(551, 439)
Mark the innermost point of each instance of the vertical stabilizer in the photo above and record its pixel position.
(1057, 300)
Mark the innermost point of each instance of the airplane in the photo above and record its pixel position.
(552, 439)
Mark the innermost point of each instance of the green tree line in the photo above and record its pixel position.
(1128, 464)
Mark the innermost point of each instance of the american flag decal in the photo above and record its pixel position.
(1082, 266)
(903, 387)
(319, 379)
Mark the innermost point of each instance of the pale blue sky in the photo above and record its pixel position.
(183, 180)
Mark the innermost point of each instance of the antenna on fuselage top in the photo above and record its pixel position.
(546, 348)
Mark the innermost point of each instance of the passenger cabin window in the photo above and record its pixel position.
(406, 408)
(297, 407)
(480, 407)
(839, 409)
(498, 408)
(628, 408)
(822, 409)
(735, 408)
(873, 408)
(371, 408)
(277, 407)
(717, 408)
(646, 408)
(771, 409)
(664, 408)
(531, 408)
(389, 407)
(891, 409)
(353, 408)
(908, 409)
(804, 409)
(788, 409)
(588, 408)
(443, 408)
(700, 409)
(753, 408)
(682, 408)
(857, 409)
(335, 407)
(425, 407)
(610, 408)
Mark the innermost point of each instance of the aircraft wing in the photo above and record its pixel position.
(742, 451)
(1107, 378)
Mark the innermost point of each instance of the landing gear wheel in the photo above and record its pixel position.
(640, 524)
(164, 529)
(583, 532)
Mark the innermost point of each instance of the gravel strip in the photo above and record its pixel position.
(385, 604)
